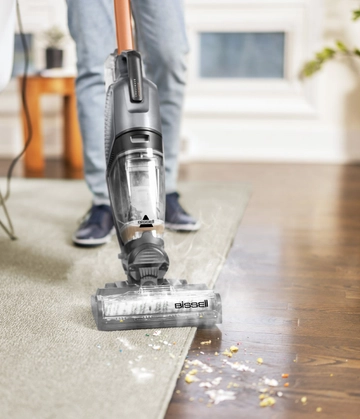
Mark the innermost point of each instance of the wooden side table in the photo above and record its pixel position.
(64, 86)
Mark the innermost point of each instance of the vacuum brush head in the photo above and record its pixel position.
(121, 306)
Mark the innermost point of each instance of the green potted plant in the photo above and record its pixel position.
(54, 38)
(328, 53)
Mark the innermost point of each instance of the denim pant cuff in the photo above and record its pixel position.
(100, 201)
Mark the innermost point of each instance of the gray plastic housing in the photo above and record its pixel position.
(122, 114)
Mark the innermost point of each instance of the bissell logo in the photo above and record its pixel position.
(194, 304)
(145, 222)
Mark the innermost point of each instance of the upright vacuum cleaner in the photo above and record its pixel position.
(136, 182)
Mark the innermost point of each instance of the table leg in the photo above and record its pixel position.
(72, 135)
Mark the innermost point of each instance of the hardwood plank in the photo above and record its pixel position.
(290, 291)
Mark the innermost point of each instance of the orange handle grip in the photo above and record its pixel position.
(123, 25)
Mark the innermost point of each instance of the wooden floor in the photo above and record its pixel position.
(291, 296)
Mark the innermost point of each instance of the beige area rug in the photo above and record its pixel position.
(54, 362)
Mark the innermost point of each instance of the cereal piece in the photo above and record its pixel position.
(303, 400)
(286, 385)
(279, 394)
(192, 399)
(193, 372)
(177, 391)
(190, 378)
(234, 349)
(260, 361)
(227, 353)
(318, 409)
(206, 342)
(263, 396)
(268, 401)
(271, 382)
(284, 375)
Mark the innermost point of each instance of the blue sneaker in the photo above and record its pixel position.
(176, 218)
(97, 227)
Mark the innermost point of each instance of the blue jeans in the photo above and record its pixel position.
(161, 38)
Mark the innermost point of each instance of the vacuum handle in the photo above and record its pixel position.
(123, 25)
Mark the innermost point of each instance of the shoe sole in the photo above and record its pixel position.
(183, 227)
(94, 242)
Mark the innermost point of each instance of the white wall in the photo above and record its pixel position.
(259, 121)
(314, 121)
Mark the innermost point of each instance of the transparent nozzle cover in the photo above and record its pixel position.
(136, 184)
(157, 301)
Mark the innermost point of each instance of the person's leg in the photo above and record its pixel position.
(91, 24)
(161, 39)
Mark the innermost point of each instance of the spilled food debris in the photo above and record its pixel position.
(268, 401)
(217, 396)
(239, 367)
(200, 364)
(191, 378)
(155, 347)
(228, 353)
(215, 382)
(271, 382)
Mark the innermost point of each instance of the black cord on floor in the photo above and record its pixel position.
(3, 198)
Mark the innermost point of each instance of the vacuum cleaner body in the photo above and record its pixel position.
(136, 182)
(135, 170)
